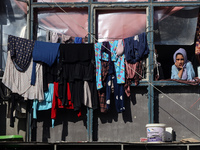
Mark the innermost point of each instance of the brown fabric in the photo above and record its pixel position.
(127, 87)
(102, 91)
(136, 70)
(130, 70)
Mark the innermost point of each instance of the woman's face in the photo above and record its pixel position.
(180, 60)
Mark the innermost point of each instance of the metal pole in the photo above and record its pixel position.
(150, 13)
(27, 138)
(29, 36)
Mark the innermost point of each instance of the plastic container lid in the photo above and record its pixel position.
(156, 125)
(11, 137)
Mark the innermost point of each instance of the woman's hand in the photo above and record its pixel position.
(179, 67)
(180, 72)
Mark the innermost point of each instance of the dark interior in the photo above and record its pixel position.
(165, 57)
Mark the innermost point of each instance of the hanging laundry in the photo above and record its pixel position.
(109, 75)
(50, 74)
(77, 67)
(53, 37)
(46, 103)
(19, 82)
(44, 52)
(102, 91)
(16, 108)
(118, 90)
(136, 48)
(65, 38)
(72, 53)
(98, 65)
(78, 40)
(120, 48)
(118, 61)
(133, 75)
(57, 103)
(89, 97)
(106, 52)
(5, 93)
(21, 52)
(90, 94)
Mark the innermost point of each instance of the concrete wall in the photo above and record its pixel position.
(68, 126)
(110, 127)
(184, 124)
(128, 126)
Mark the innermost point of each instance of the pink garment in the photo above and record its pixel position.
(132, 76)
(120, 48)
(130, 70)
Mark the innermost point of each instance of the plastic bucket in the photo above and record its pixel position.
(155, 132)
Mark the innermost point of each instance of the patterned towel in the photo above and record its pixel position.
(21, 52)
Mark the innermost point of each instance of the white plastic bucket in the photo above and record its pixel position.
(155, 132)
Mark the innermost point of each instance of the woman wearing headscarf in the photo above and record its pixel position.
(182, 68)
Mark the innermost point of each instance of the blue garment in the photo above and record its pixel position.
(190, 72)
(46, 103)
(44, 52)
(105, 55)
(105, 50)
(136, 48)
(129, 49)
(118, 62)
(118, 90)
(98, 65)
(78, 40)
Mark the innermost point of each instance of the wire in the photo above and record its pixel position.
(194, 103)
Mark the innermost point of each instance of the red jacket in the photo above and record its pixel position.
(57, 103)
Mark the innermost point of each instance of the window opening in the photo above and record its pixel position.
(165, 57)
(175, 25)
(174, 28)
(132, 23)
(62, 23)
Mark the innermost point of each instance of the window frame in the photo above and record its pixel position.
(92, 8)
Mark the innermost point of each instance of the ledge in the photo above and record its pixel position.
(162, 83)
(103, 144)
